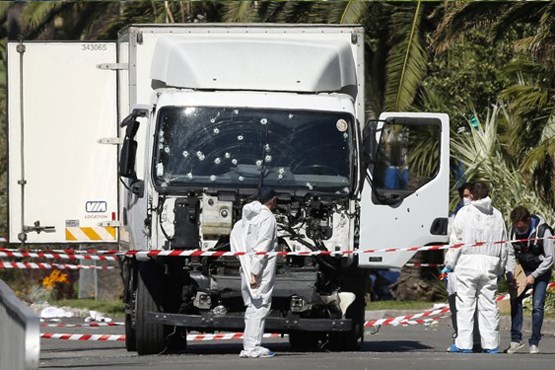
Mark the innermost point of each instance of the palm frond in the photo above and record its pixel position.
(239, 11)
(354, 12)
(406, 61)
(480, 152)
(525, 98)
(36, 16)
(460, 17)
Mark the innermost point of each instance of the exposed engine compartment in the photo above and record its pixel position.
(305, 285)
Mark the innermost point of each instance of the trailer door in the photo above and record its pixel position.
(405, 196)
(59, 105)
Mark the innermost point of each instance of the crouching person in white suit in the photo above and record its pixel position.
(256, 232)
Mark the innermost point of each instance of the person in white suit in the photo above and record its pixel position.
(477, 269)
(256, 232)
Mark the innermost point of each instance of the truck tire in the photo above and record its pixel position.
(129, 276)
(353, 280)
(346, 340)
(130, 338)
(150, 337)
(305, 340)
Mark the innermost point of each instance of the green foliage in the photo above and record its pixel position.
(468, 78)
(481, 152)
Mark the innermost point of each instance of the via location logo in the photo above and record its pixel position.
(96, 206)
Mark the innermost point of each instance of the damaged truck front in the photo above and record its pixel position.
(230, 113)
(214, 112)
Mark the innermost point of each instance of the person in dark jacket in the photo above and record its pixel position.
(533, 250)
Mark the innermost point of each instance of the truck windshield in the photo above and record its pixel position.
(239, 147)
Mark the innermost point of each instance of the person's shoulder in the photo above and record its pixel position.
(497, 213)
(464, 210)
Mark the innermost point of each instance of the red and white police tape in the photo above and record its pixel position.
(421, 318)
(112, 255)
(48, 266)
(119, 338)
(91, 337)
(394, 321)
(52, 255)
(86, 325)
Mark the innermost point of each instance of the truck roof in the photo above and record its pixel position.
(254, 62)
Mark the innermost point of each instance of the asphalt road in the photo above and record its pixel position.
(412, 347)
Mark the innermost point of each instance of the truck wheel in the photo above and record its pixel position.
(345, 340)
(150, 337)
(130, 338)
(353, 280)
(177, 340)
(129, 275)
(305, 340)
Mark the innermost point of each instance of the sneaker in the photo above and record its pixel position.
(492, 351)
(515, 346)
(534, 349)
(454, 349)
(259, 352)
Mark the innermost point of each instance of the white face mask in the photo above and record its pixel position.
(466, 201)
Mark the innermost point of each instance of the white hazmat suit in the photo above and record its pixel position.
(255, 232)
(477, 269)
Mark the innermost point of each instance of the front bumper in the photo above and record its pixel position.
(237, 323)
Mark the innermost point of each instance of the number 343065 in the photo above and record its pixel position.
(94, 47)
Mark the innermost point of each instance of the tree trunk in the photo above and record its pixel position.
(420, 283)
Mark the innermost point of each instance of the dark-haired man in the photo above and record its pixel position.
(535, 256)
(465, 196)
(256, 232)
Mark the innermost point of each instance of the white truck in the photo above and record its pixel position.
(208, 113)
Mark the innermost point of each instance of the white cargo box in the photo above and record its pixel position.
(68, 104)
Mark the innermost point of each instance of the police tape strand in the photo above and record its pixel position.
(394, 321)
(120, 338)
(48, 266)
(8, 253)
(4, 252)
(86, 325)
(422, 318)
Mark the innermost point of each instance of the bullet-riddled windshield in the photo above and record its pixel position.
(238, 147)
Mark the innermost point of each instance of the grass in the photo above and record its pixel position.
(107, 307)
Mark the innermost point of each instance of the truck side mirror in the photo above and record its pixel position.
(127, 158)
(369, 143)
(131, 128)
(138, 188)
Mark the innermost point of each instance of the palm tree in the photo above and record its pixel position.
(482, 152)
(531, 97)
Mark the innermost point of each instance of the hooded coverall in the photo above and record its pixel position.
(255, 232)
(477, 269)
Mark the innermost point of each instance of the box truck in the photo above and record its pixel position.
(157, 140)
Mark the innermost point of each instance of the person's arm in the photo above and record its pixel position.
(504, 250)
(547, 262)
(455, 237)
(511, 262)
(264, 243)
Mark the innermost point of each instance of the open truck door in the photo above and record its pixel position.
(406, 186)
(59, 105)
